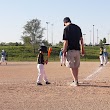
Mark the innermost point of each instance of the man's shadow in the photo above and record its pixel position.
(93, 85)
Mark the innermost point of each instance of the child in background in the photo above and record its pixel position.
(62, 58)
(101, 56)
(105, 54)
(3, 57)
(40, 67)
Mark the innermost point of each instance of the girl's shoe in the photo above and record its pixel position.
(39, 84)
(48, 82)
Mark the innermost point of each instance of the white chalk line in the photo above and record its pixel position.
(94, 74)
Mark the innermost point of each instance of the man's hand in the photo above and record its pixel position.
(64, 52)
(82, 47)
(65, 45)
(82, 51)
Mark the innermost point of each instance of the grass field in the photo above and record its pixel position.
(26, 53)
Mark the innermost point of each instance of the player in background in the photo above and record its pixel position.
(105, 55)
(101, 56)
(3, 57)
(62, 58)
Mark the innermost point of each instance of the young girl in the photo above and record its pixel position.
(101, 56)
(40, 67)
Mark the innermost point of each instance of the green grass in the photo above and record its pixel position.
(26, 53)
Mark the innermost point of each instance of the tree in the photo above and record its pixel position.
(2, 44)
(101, 43)
(26, 40)
(104, 40)
(60, 43)
(14, 44)
(34, 31)
(45, 42)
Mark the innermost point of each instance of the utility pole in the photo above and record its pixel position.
(52, 33)
(90, 37)
(47, 30)
(97, 36)
(84, 38)
(93, 35)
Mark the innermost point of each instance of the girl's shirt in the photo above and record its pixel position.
(40, 58)
(101, 52)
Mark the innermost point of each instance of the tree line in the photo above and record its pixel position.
(33, 35)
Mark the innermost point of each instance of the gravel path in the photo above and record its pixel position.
(18, 90)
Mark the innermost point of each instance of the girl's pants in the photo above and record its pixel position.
(41, 73)
(101, 59)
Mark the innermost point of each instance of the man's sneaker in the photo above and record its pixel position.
(101, 65)
(48, 82)
(75, 83)
(39, 84)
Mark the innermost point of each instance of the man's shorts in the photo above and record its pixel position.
(73, 59)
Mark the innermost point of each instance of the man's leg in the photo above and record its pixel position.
(74, 72)
(74, 69)
(73, 58)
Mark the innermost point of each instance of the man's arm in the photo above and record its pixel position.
(82, 46)
(65, 45)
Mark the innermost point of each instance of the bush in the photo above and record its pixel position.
(26, 53)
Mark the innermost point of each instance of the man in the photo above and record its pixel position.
(72, 37)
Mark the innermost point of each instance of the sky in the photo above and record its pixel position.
(14, 14)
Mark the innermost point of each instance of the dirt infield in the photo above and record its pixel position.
(18, 90)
